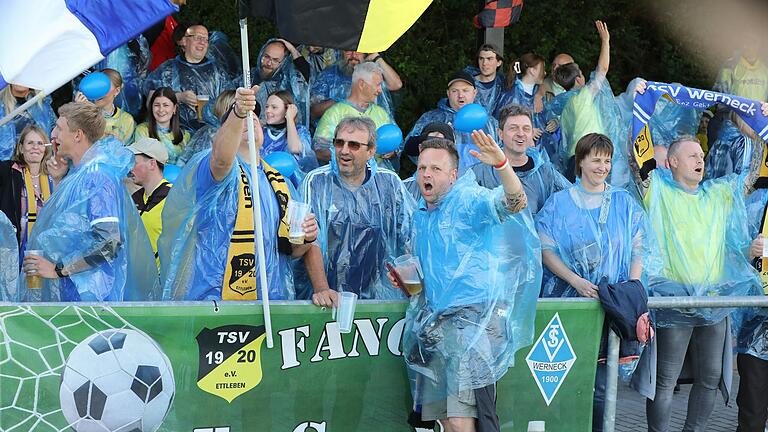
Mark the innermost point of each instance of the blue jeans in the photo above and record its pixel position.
(706, 347)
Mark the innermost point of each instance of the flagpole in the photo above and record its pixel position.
(23, 107)
(257, 223)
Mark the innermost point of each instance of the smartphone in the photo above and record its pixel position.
(396, 276)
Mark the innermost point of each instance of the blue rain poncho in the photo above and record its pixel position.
(703, 238)
(332, 84)
(444, 113)
(593, 109)
(200, 141)
(360, 227)
(482, 272)
(222, 53)
(750, 324)
(286, 77)
(40, 113)
(539, 183)
(132, 61)
(9, 260)
(276, 140)
(729, 154)
(319, 61)
(669, 120)
(92, 219)
(198, 220)
(596, 235)
(412, 187)
(488, 94)
(204, 78)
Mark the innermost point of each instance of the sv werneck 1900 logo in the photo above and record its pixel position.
(551, 358)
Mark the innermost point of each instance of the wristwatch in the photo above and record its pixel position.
(59, 270)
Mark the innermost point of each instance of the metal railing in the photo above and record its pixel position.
(612, 379)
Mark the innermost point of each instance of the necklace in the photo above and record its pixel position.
(35, 176)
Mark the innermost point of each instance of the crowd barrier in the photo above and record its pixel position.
(124, 365)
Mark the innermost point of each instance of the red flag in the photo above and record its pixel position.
(499, 13)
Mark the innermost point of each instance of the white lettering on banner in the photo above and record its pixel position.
(233, 337)
(551, 358)
(371, 338)
(294, 340)
(290, 346)
(310, 426)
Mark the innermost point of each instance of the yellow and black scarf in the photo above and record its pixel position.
(45, 192)
(761, 263)
(240, 273)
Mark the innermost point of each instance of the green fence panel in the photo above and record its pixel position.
(88, 367)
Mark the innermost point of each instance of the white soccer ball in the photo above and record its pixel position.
(117, 381)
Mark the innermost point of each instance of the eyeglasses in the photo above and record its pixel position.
(353, 145)
(197, 38)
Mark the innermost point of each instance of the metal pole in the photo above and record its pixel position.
(611, 382)
(706, 302)
(38, 96)
(254, 160)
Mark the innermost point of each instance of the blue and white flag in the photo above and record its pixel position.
(45, 43)
(749, 111)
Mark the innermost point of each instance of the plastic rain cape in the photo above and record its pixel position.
(595, 234)
(204, 78)
(40, 113)
(703, 237)
(9, 260)
(593, 109)
(729, 154)
(539, 183)
(444, 113)
(669, 120)
(482, 273)
(750, 324)
(487, 97)
(65, 232)
(276, 140)
(286, 77)
(132, 61)
(360, 228)
(197, 230)
(200, 141)
(333, 84)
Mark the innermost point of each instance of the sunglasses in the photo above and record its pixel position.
(353, 145)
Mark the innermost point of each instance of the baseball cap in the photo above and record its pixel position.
(462, 76)
(411, 147)
(150, 147)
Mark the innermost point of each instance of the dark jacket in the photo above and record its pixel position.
(11, 183)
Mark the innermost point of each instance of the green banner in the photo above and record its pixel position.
(202, 367)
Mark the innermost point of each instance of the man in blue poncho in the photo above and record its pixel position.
(540, 178)
(461, 91)
(488, 80)
(277, 71)
(192, 75)
(94, 246)
(364, 214)
(702, 234)
(207, 244)
(333, 83)
(481, 274)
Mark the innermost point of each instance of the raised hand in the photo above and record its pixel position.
(490, 153)
(602, 30)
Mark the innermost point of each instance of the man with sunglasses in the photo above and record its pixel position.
(191, 75)
(361, 102)
(363, 212)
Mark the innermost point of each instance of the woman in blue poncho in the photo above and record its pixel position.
(590, 231)
(283, 134)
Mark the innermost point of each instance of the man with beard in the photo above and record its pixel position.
(461, 91)
(190, 75)
(334, 82)
(275, 72)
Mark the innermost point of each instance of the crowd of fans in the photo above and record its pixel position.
(85, 191)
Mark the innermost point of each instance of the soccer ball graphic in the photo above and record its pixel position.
(116, 381)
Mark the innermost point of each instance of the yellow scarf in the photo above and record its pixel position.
(240, 273)
(45, 191)
(762, 262)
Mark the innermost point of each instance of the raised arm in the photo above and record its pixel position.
(604, 61)
(391, 77)
(491, 154)
(757, 159)
(227, 140)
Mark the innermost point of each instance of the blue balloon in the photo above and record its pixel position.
(388, 138)
(283, 162)
(95, 85)
(170, 172)
(471, 117)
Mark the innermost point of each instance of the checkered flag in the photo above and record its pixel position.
(499, 13)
